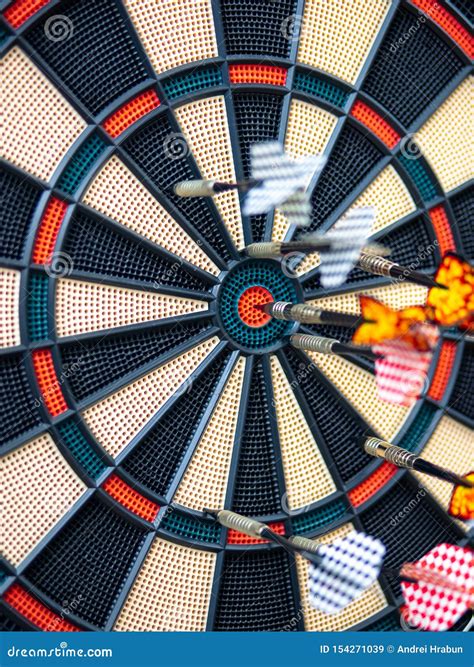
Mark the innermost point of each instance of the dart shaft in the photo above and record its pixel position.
(404, 459)
(269, 249)
(418, 573)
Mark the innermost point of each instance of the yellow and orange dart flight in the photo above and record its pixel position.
(462, 501)
(454, 305)
(381, 324)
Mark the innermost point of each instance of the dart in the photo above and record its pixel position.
(451, 301)
(327, 346)
(339, 572)
(461, 505)
(271, 249)
(380, 266)
(399, 371)
(405, 459)
(439, 587)
(277, 180)
(302, 312)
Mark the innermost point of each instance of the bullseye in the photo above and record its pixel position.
(254, 296)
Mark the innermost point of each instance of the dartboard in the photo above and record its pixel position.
(139, 385)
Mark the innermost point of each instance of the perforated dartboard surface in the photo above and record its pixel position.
(134, 390)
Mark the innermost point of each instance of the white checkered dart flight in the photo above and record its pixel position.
(281, 182)
(439, 588)
(338, 573)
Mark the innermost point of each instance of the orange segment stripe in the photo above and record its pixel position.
(269, 75)
(21, 10)
(369, 487)
(49, 384)
(130, 112)
(48, 231)
(36, 612)
(440, 15)
(130, 498)
(443, 370)
(442, 229)
(236, 537)
(375, 123)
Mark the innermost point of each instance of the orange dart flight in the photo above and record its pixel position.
(382, 324)
(462, 501)
(454, 305)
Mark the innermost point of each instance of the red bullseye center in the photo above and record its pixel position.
(254, 296)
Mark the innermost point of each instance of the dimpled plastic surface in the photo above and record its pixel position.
(260, 274)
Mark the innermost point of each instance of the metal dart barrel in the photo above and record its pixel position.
(209, 188)
(404, 459)
(243, 524)
(202, 188)
(327, 345)
(272, 249)
(303, 312)
(305, 544)
(380, 266)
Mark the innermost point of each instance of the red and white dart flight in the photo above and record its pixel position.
(441, 587)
